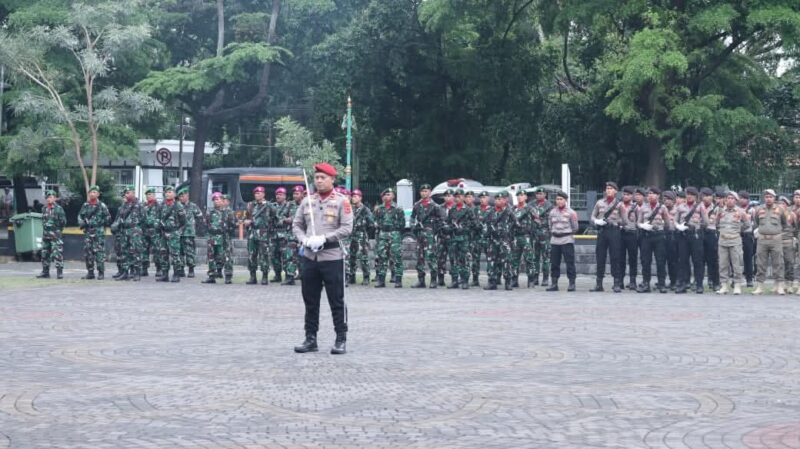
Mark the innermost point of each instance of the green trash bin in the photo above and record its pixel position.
(28, 232)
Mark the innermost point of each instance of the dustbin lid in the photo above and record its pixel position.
(26, 215)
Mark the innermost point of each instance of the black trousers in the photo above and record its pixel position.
(630, 251)
(672, 256)
(711, 255)
(690, 246)
(609, 242)
(331, 275)
(749, 250)
(653, 244)
(568, 252)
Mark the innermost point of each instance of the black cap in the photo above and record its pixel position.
(682, 194)
(691, 191)
(562, 194)
(425, 187)
(654, 189)
(705, 191)
(612, 184)
(669, 194)
(629, 189)
(641, 191)
(744, 194)
(720, 193)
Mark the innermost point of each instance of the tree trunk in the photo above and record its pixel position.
(196, 178)
(656, 174)
(220, 27)
(20, 198)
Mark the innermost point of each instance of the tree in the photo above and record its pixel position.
(299, 148)
(91, 37)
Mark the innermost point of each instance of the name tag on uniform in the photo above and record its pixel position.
(330, 214)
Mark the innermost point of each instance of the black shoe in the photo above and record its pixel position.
(598, 287)
(119, 273)
(643, 288)
(228, 279)
(453, 284)
(163, 278)
(631, 285)
(440, 282)
(398, 282)
(515, 283)
(530, 283)
(662, 289)
(252, 280)
(552, 288)
(340, 346)
(544, 282)
(617, 288)
(535, 280)
(181, 273)
(218, 274)
(571, 286)
(365, 282)
(699, 290)
(265, 279)
(680, 289)
(59, 273)
(191, 272)
(89, 275)
(209, 280)
(135, 276)
(380, 283)
(420, 282)
(123, 277)
(465, 285)
(508, 286)
(750, 284)
(671, 286)
(308, 345)
(45, 274)
(491, 286)
(175, 278)
(276, 278)
(289, 280)
(433, 283)
(100, 275)
(144, 273)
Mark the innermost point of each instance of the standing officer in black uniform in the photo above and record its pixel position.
(609, 218)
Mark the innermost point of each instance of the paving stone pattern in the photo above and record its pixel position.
(147, 365)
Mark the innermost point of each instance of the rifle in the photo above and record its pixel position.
(89, 217)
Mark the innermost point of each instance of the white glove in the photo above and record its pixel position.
(599, 222)
(755, 233)
(681, 227)
(646, 226)
(315, 242)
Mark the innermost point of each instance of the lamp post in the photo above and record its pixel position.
(348, 171)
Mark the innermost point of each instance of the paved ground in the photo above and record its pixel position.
(103, 365)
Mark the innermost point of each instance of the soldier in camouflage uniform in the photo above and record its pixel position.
(443, 240)
(129, 223)
(188, 247)
(363, 221)
(53, 221)
(228, 266)
(93, 219)
(426, 218)
(469, 201)
(172, 218)
(117, 237)
(541, 239)
(389, 223)
(460, 223)
(260, 220)
(151, 234)
(290, 257)
(480, 241)
(500, 224)
(281, 235)
(526, 218)
(219, 222)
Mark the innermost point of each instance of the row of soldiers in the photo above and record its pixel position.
(697, 235)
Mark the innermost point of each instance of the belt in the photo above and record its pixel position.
(561, 234)
(610, 227)
(629, 231)
(330, 245)
(769, 236)
(653, 232)
(730, 236)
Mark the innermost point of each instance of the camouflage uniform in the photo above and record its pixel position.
(228, 239)
(93, 219)
(363, 221)
(389, 223)
(426, 217)
(280, 238)
(130, 218)
(443, 248)
(151, 237)
(500, 225)
(172, 217)
(479, 242)
(53, 221)
(460, 223)
(522, 243)
(541, 241)
(290, 256)
(220, 222)
(188, 234)
(258, 239)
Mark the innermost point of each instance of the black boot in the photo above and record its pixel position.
(100, 275)
(465, 285)
(365, 281)
(228, 278)
(475, 281)
(644, 288)
(289, 280)
(571, 286)
(662, 288)
(264, 278)
(680, 288)
(453, 282)
(209, 280)
(119, 272)
(191, 272)
(277, 277)
(420, 282)
(617, 286)
(380, 282)
(536, 279)
(124, 276)
(699, 289)
(218, 274)
(544, 281)
(508, 285)
(175, 277)
(398, 282)
(135, 275)
(252, 280)
(515, 283)
(144, 273)
(308, 345)
(492, 285)
(340, 346)
(598, 286)
(552, 288)
(440, 281)
(59, 273)
(89, 275)
(164, 276)
(434, 283)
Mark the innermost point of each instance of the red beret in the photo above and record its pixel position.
(357, 192)
(259, 189)
(326, 168)
(299, 189)
(216, 195)
(280, 190)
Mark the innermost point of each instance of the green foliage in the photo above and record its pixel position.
(299, 147)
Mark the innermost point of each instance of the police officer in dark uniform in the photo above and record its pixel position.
(748, 241)
(608, 218)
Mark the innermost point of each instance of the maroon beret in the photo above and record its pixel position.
(280, 190)
(326, 168)
(299, 189)
(259, 189)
